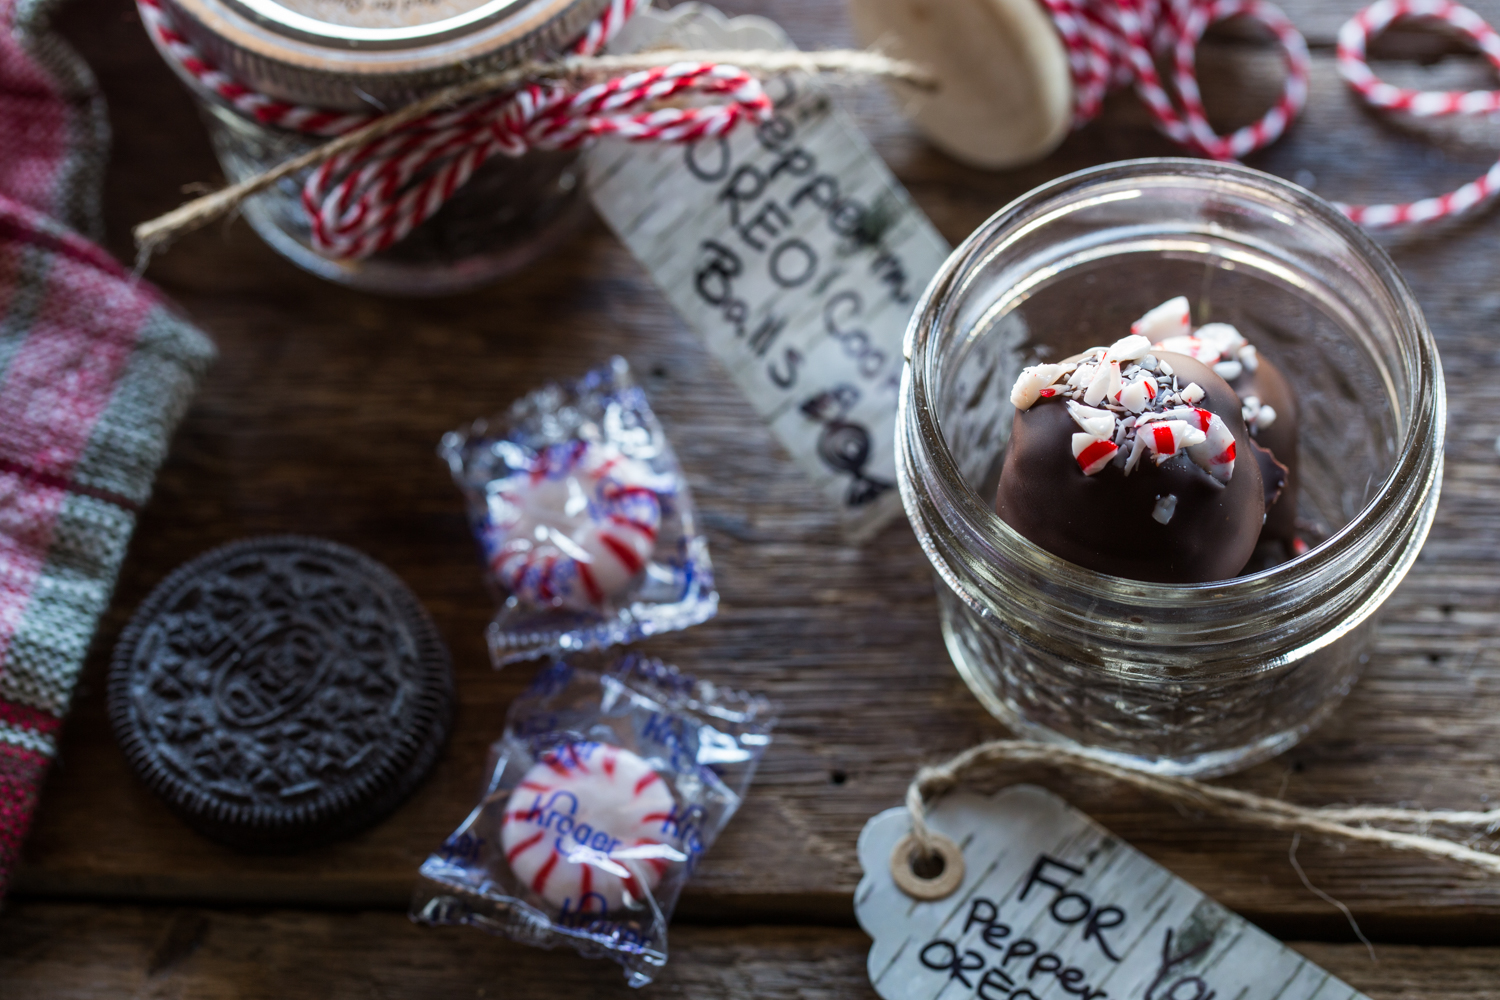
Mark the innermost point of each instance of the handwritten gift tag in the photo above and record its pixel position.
(793, 251)
(1053, 905)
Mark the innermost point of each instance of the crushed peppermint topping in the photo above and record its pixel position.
(1225, 350)
(1258, 416)
(1128, 405)
(1218, 345)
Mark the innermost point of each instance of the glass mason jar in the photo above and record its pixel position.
(1193, 679)
(372, 56)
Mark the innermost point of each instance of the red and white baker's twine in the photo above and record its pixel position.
(1113, 43)
(360, 202)
(1355, 35)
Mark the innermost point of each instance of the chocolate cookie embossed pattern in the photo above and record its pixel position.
(281, 692)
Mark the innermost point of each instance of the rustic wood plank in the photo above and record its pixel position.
(322, 415)
(81, 952)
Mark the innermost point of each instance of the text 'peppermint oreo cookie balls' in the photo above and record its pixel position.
(281, 692)
(1170, 433)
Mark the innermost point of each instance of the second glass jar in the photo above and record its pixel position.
(367, 56)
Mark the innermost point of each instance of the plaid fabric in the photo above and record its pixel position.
(95, 372)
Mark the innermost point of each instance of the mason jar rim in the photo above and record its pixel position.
(271, 48)
(1425, 422)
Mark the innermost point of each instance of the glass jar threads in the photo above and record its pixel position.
(276, 78)
(1194, 679)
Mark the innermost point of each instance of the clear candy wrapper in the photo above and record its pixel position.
(584, 519)
(600, 798)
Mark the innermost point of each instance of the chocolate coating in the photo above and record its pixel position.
(1270, 385)
(1104, 522)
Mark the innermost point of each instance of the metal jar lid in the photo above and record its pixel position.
(364, 55)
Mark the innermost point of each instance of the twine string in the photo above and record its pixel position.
(989, 760)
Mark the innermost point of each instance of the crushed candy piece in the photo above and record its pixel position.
(1093, 453)
(1032, 381)
(1131, 348)
(1105, 383)
(1168, 437)
(1170, 319)
(1228, 370)
(1165, 507)
(1095, 422)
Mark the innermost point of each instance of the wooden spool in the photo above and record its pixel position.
(1005, 94)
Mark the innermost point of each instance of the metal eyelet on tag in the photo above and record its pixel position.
(944, 883)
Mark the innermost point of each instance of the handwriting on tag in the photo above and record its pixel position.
(793, 251)
(1054, 905)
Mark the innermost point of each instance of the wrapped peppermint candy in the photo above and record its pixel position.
(584, 519)
(602, 794)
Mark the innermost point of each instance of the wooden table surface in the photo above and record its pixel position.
(321, 417)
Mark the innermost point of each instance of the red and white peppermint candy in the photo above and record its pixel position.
(574, 530)
(590, 829)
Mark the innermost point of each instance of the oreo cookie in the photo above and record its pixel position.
(281, 692)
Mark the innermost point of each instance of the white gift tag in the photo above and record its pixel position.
(793, 251)
(1053, 905)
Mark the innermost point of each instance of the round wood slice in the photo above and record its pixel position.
(1006, 95)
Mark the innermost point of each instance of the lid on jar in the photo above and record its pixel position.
(363, 55)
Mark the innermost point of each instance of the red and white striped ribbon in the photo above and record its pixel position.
(364, 200)
(1113, 43)
(259, 107)
(1354, 39)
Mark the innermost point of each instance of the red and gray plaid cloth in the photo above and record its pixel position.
(95, 372)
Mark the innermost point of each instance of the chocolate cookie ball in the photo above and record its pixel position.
(1134, 464)
(1274, 427)
(1269, 406)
